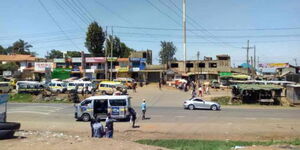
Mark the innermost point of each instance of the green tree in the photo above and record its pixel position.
(10, 66)
(120, 49)
(71, 54)
(21, 47)
(55, 54)
(95, 38)
(3, 51)
(167, 52)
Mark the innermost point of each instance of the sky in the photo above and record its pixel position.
(213, 26)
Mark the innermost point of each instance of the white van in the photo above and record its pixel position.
(98, 106)
(86, 86)
(58, 87)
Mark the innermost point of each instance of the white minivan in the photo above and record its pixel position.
(98, 106)
(58, 87)
(86, 86)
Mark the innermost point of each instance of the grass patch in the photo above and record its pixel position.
(182, 144)
(20, 98)
(29, 98)
(223, 100)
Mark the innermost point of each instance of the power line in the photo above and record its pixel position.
(70, 6)
(69, 15)
(83, 12)
(56, 23)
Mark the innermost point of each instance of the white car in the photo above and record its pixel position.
(198, 103)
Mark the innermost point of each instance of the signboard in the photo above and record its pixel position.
(41, 66)
(7, 73)
(95, 59)
(225, 74)
(59, 60)
(135, 59)
(135, 69)
(112, 58)
(3, 98)
(76, 60)
(274, 65)
(122, 69)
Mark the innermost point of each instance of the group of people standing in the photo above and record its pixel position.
(99, 131)
(202, 89)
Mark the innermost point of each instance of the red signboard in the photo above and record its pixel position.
(95, 59)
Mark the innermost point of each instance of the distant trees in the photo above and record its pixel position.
(71, 54)
(167, 52)
(120, 49)
(55, 54)
(18, 47)
(9, 66)
(95, 38)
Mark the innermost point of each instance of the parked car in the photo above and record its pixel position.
(128, 82)
(58, 87)
(109, 87)
(86, 86)
(32, 87)
(215, 84)
(197, 103)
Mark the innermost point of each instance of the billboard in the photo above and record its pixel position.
(95, 59)
(41, 66)
(274, 65)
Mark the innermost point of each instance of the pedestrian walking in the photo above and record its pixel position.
(134, 86)
(98, 129)
(207, 90)
(159, 84)
(144, 108)
(109, 126)
(194, 94)
(93, 121)
(200, 91)
(133, 116)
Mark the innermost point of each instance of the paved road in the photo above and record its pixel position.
(65, 113)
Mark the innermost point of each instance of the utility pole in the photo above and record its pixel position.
(83, 63)
(106, 67)
(254, 57)
(111, 50)
(198, 55)
(184, 32)
(247, 56)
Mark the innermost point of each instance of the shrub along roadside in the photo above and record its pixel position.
(225, 100)
(182, 144)
(29, 98)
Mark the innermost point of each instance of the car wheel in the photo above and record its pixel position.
(58, 92)
(191, 107)
(214, 107)
(103, 93)
(85, 117)
(6, 134)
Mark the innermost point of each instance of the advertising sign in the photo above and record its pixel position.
(112, 58)
(122, 69)
(95, 59)
(135, 69)
(274, 65)
(7, 73)
(59, 60)
(76, 60)
(41, 66)
(135, 59)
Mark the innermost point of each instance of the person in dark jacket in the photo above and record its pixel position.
(91, 124)
(109, 126)
(133, 116)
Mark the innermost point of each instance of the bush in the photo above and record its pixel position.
(223, 100)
